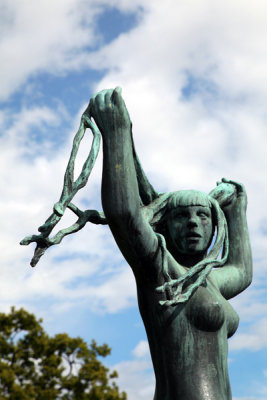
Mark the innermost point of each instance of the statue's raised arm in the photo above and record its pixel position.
(120, 190)
(189, 252)
(236, 275)
(182, 285)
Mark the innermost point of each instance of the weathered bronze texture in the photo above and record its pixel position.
(189, 252)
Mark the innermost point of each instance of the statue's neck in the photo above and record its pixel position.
(186, 260)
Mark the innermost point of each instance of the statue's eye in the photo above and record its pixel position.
(181, 214)
(203, 214)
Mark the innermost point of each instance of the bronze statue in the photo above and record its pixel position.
(189, 253)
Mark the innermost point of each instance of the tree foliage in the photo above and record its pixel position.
(35, 366)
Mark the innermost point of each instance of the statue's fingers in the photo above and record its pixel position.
(160, 289)
(118, 89)
(225, 180)
(98, 109)
(240, 188)
(100, 101)
(116, 95)
(119, 102)
(97, 101)
(108, 99)
(91, 107)
(90, 124)
(88, 110)
(117, 99)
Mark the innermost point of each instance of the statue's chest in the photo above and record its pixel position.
(206, 310)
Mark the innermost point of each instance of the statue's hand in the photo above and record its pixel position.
(109, 111)
(240, 197)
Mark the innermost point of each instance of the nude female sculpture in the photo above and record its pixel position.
(187, 340)
(182, 296)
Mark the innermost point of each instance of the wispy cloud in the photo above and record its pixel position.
(249, 398)
(228, 128)
(195, 86)
(254, 339)
(136, 376)
(142, 349)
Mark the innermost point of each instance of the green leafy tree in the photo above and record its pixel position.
(35, 366)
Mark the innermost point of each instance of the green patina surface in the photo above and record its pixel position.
(189, 252)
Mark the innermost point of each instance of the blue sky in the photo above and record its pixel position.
(193, 76)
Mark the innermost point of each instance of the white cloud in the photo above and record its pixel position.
(142, 349)
(220, 130)
(89, 266)
(136, 376)
(249, 398)
(250, 305)
(47, 36)
(183, 143)
(28, 45)
(229, 135)
(254, 339)
(200, 139)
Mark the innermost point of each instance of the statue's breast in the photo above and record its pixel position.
(207, 311)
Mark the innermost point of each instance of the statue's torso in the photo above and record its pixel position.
(188, 343)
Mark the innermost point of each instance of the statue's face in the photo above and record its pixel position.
(191, 228)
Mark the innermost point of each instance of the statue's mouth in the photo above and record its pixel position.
(193, 235)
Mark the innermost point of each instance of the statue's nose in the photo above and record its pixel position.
(192, 221)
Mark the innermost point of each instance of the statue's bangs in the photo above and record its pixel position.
(188, 198)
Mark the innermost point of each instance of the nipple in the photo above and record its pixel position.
(205, 312)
